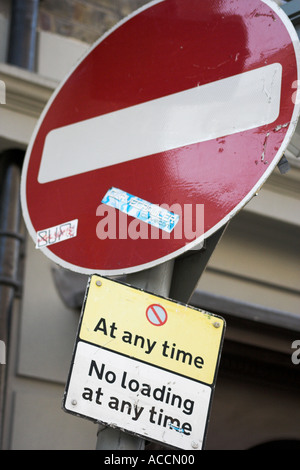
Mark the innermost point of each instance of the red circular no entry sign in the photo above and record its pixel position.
(163, 131)
(156, 314)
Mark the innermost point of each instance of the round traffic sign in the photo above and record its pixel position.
(163, 132)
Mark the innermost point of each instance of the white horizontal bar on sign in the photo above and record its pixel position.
(234, 104)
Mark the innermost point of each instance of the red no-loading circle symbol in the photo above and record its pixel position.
(156, 314)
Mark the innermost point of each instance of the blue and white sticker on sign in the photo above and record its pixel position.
(140, 209)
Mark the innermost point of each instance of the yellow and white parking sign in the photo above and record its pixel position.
(145, 364)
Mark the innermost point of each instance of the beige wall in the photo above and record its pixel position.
(84, 20)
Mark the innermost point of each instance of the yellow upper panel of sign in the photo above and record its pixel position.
(148, 328)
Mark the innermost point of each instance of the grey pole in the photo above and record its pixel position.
(157, 281)
(21, 52)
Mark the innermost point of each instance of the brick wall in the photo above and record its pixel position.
(85, 20)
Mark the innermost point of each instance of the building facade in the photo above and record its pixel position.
(251, 279)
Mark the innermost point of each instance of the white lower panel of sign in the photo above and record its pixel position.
(137, 397)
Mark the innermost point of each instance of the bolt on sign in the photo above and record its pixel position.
(144, 364)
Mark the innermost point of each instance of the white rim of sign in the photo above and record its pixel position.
(189, 246)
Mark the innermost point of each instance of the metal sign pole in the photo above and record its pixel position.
(158, 281)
